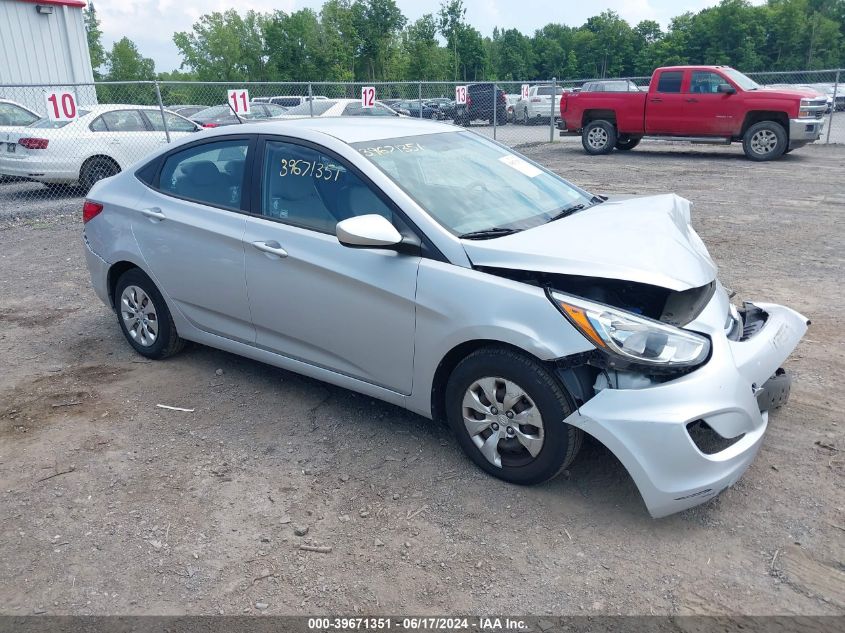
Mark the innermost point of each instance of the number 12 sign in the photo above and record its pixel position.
(239, 101)
(61, 106)
(368, 97)
(461, 95)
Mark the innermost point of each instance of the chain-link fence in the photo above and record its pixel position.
(46, 155)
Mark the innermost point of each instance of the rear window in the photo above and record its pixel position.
(670, 81)
(47, 123)
(319, 107)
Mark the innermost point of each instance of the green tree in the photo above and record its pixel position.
(294, 46)
(225, 47)
(341, 39)
(424, 55)
(95, 39)
(379, 24)
(125, 63)
(513, 55)
(450, 22)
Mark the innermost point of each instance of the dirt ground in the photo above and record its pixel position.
(110, 505)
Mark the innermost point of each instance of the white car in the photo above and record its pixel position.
(338, 107)
(103, 141)
(538, 106)
(288, 101)
(13, 113)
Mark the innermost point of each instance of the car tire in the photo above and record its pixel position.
(522, 386)
(598, 137)
(765, 140)
(626, 143)
(95, 170)
(525, 117)
(143, 316)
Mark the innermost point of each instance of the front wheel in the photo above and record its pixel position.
(765, 140)
(507, 411)
(144, 317)
(598, 137)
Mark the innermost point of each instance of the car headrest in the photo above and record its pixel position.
(201, 172)
(294, 187)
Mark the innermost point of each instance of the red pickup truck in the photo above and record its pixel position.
(700, 104)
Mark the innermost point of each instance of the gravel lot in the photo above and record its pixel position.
(110, 505)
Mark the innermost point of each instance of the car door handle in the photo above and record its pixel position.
(154, 214)
(692, 100)
(656, 100)
(272, 247)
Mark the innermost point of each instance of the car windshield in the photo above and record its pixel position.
(469, 183)
(319, 107)
(746, 83)
(55, 125)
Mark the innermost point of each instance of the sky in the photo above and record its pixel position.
(151, 23)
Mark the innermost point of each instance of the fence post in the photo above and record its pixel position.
(310, 100)
(552, 113)
(420, 99)
(495, 106)
(832, 112)
(161, 108)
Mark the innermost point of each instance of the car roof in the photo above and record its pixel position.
(349, 129)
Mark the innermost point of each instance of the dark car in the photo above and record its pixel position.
(187, 111)
(445, 105)
(413, 108)
(479, 105)
(217, 116)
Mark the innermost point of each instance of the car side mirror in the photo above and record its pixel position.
(727, 89)
(367, 231)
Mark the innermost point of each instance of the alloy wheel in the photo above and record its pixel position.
(139, 315)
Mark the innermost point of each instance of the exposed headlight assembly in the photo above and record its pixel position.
(631, 337)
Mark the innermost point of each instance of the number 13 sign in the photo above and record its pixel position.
(61, 106)
(460, 95)
(368, 97)
(239, 101)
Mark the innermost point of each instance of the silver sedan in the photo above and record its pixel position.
(435, 269)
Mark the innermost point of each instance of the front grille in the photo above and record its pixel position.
(707, 440)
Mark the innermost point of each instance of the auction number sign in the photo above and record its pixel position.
(368, 97)
(239, 101)
(526, 89)
(61, 106)
(461, 95)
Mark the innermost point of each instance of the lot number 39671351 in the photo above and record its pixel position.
(61, 106)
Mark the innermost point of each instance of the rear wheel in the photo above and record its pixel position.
(143, 316)
(765, 140)
(598, 137)
(625, 142)
(507, 411)
(94, 170)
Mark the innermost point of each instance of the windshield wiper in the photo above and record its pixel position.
(567, 211)
(486, 234)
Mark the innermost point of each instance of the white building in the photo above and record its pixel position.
(43, 42)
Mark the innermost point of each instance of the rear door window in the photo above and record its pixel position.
(210, 173)
(670, 81)
(124, 121)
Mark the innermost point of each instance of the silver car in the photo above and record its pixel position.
(435, 269)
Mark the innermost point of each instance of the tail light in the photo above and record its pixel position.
(90, 210)
(469, 101)
(34, 143)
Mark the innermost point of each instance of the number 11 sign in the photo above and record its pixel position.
(239, 101)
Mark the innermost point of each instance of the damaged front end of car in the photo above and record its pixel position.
(680, 381)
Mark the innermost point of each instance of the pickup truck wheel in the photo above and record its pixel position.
(625, 142)
(764, 141)
(598, 137)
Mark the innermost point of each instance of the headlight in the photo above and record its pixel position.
(634, 338)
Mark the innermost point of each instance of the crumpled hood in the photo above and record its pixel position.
(647, 240)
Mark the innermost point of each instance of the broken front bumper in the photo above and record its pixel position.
(647, 429)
